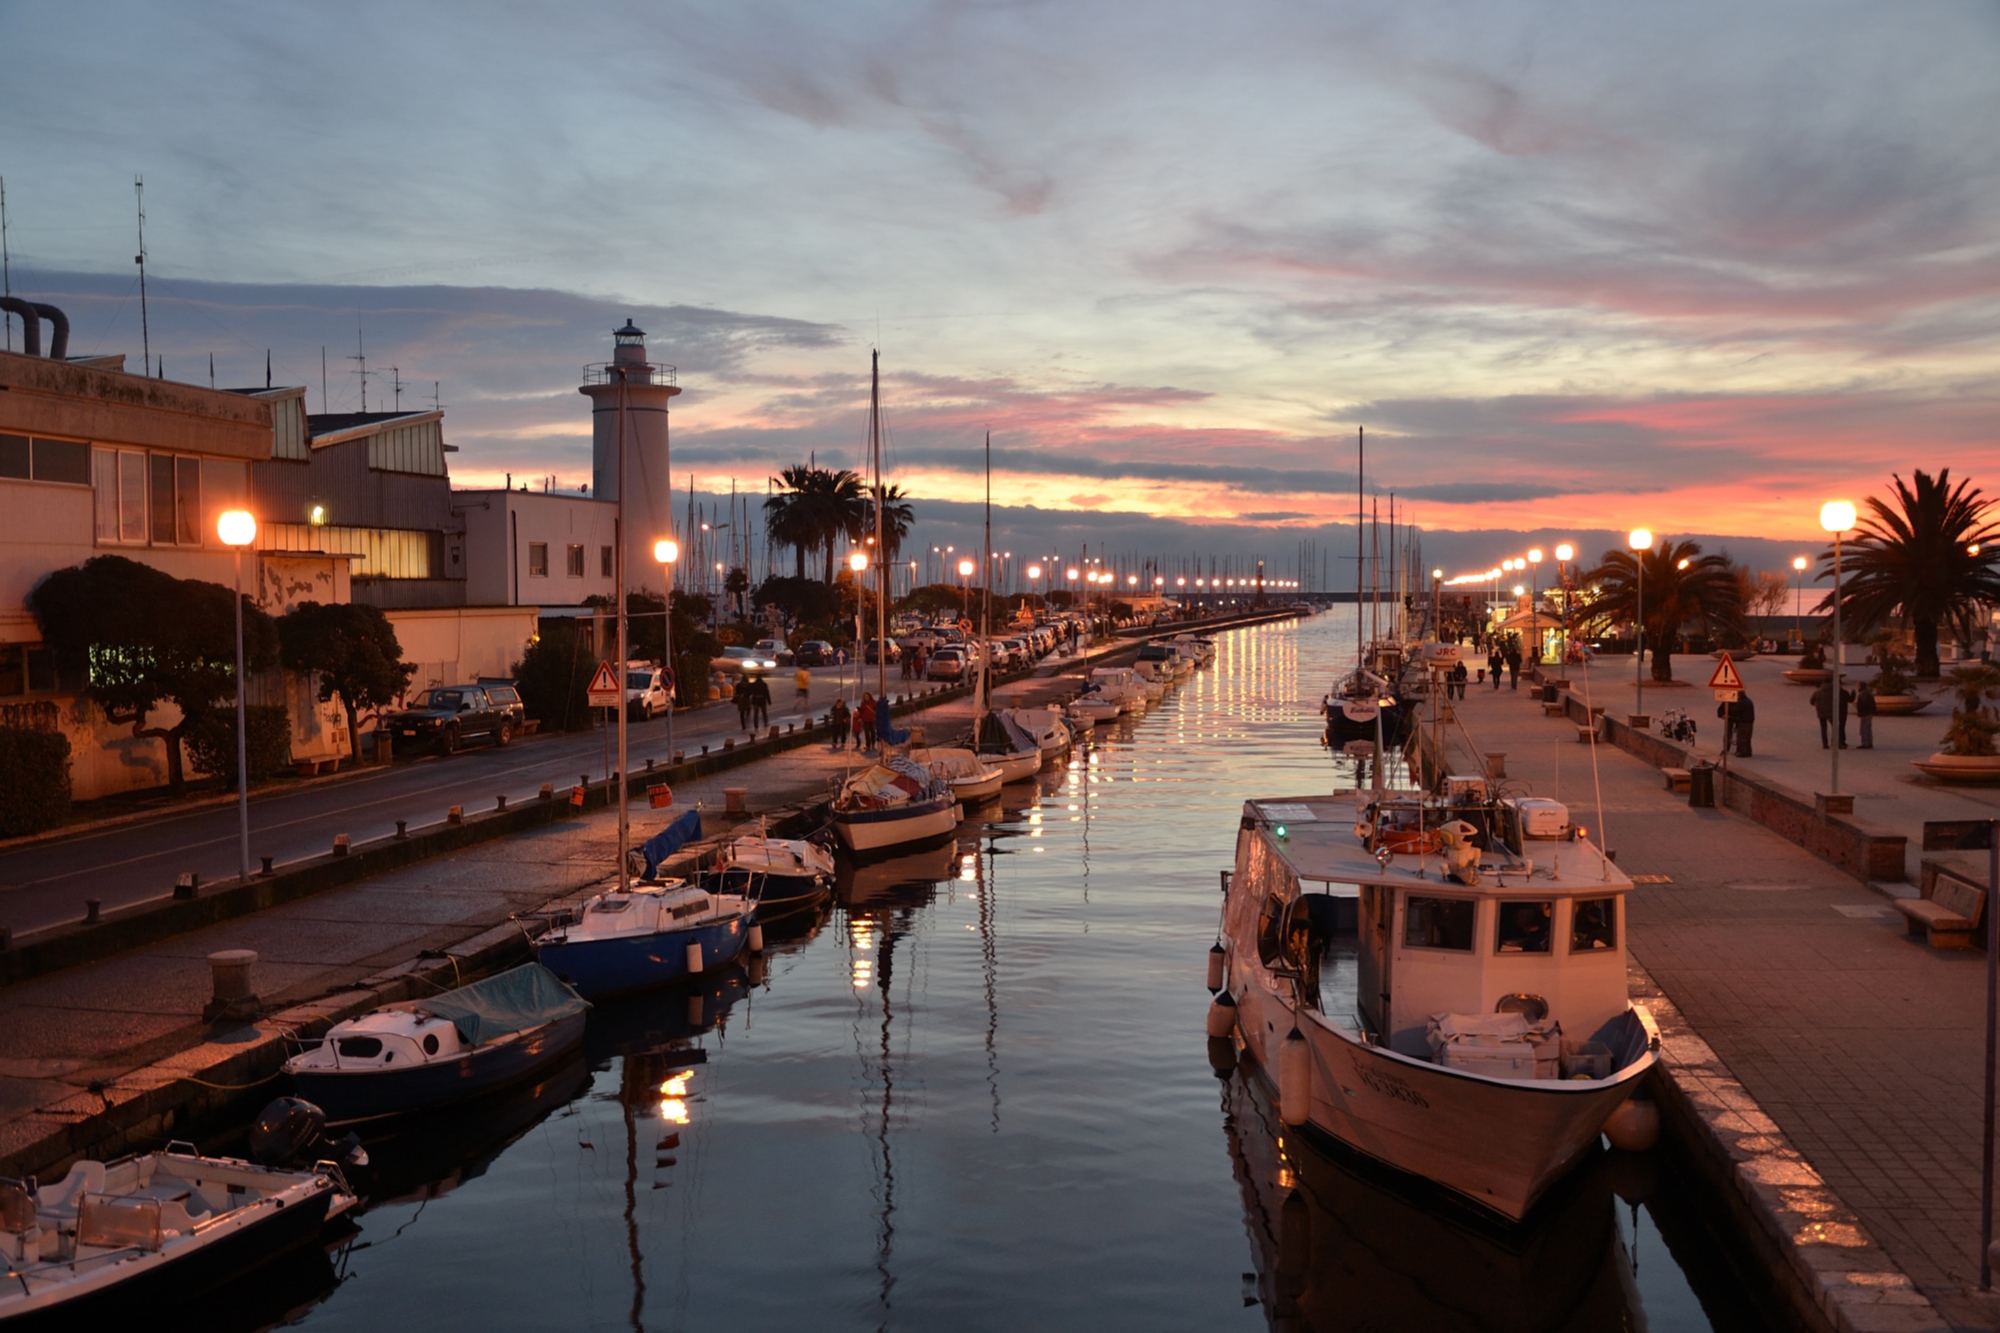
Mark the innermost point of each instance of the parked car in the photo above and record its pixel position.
(502, 694)
(448, 716)
(648, 691)
(776, 650)
(813, 652)
(869, 653)
(739, 660)
(945, 664)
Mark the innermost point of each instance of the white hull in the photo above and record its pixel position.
(1015, 767)
(937, 820)
(1094, 714)
(1499, 1142)
(984, 788)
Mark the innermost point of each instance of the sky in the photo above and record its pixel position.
(1575, 267)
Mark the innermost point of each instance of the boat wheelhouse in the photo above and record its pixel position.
(1457, 983)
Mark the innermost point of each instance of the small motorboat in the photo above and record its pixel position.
(895, 804)
(1122, 686)
(1045, 725)
(778, 873)
(422, 1054)
(648, 935)
(970, 778)
(121, 1244)
(1004, 744)
(1093, 708)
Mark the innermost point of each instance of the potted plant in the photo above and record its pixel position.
(1970, 754)
(1895, 691)
(1812, 668)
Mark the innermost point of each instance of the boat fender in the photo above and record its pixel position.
(1222, 1056)
(694, 955)
(1216, 958)
(1222, 1015)
(1294, 1079)
(1634, 1126)
(756, 940)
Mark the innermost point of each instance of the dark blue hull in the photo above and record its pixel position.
(785, 891)
(351, 1095)
(595, 968)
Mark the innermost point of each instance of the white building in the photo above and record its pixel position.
(529, 548)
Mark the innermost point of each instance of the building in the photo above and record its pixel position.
(533, 548)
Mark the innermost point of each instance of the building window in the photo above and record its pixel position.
(576, 562)
(385, 553)
(119, 477)
(176, 500)
(538, 560)
(44, 460)
(604, 560)
(26, 669)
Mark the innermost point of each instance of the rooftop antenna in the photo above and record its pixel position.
(322, 378)
(361, 356)
(145, 332)
(6, 273)
(396, 375)
(211, 370)
(437, 402)
(267, 367)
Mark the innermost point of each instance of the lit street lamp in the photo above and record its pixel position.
(1534, 595)
(1564, 554)
(667, 551)
(238, 528)
(1837, 516)
(1799, 599)
(1641, 542)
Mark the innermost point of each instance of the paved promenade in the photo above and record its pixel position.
(1862, 1045)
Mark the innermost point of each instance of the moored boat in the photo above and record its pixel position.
(123, 1243)
(1474, 1029)
(892, 805)
(421, 1054)
(1045, 726)
(1092, 708)
(970, 777)
(779, 873)
(647, 935)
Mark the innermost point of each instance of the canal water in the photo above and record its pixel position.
(973, 1094)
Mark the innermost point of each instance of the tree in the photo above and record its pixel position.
(141, 638)
(801, 601)
(736, 584)
(816, 508)
(554, 675)
(353, 651)
(1681, 586)
(897, 519)
(1932, 557)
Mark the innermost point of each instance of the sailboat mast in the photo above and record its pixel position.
(618, 667)
(1360, 524)
(986, 602)
(881, 551)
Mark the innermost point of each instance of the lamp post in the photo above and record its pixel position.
(965, 568)
(667, 551)
(1799, 599)
(1564, 553)
(858, 562)
(1836, 516)
(238, 528)
(1535, 595)
(1641, 542)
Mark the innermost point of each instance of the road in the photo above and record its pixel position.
(46, 882)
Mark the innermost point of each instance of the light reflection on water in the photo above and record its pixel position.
(974, 1095)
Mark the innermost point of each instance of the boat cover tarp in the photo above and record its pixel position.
(885, 727)
(1001, 734)
(955, 764)
(670, 840)
(897, 780)
(524, 997)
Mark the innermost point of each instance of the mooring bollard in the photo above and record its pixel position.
(548, 792)
(267, 871)
(499, 802)
(232, 995)
(649, 765)
(91, 908)
(704, 751)
(680, 756)
(187, 886)
(455, 815)
(728, 743)
(774, 733)
(402, 828)
(735, 800)
(340, 844)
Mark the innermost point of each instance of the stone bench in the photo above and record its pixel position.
(1585, 735)
(312, 768)
(1949, 912)
(1677, 778)
(1554, 710)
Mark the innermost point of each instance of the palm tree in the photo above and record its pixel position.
(897, 519)
(816, 508)
(1681, 586)
(1932, 558)
(789, 517)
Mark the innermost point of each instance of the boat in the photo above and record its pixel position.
(1003, 743)
(1045, 726)
(781, 874)
(969, 776)
(646, 935)
(1455, 1009)
(1203, 649)
(1122, 686)
(121, 1243)
(893, 805)
(418, 1055)
(1094, 708)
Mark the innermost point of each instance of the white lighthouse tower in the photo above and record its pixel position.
(628, 399)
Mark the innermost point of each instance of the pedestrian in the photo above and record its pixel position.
(1864, 708)
(864, 721)
(1494, 662)
(1456, 684)
(1513, 660)
(760, 704)
(837, 719)
(802, 684)
(743, 698)
(1744, 713)
(1822, 702)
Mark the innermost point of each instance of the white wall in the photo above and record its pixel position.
(498, 536)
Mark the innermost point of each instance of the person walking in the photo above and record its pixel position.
(1864, 708)
(864, 723)
(743, 698)
(1493, 664)
(1459, 675)
(760, 704)
(1513, 660)
(838, 719)
(1822, 702)
(1738, 720)
(802, 685)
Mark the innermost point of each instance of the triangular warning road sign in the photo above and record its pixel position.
(603, 691)
(1725, 677)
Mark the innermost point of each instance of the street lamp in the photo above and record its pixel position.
(238, 528)
(1836, 517)
(1641, 542)
(1535, 595)
(1564, 554)
(965, 568)
(667, 551)
(1799, 599)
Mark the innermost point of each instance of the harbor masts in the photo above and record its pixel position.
(618, 666)
(1360, 526)
(881, 552)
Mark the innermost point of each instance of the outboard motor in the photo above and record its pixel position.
(292, 1132)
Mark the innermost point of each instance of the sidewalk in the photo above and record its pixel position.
(1863, 1046)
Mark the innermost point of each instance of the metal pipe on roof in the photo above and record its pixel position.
(31, 323)
(59, 338)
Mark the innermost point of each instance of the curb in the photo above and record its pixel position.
(1838, 1276)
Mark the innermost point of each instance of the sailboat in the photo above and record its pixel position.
(998, 742)
(894, 804)
(1365, 706)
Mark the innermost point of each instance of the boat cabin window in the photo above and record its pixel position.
(360, 1048)
(1438, 923)
(1525, 927)
(1593, 925)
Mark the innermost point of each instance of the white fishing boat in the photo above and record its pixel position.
(970, 778)
(895, 804)
(1122, 686)
(1433, 986)
(122, 1244)
(1003, 743)
(1203, 649)
(1045, 725)
(1093, 708)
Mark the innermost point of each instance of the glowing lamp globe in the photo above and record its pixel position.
(236, 527)
(1799, 563)
(1836, 516)
(1565, 552)
(1640, 539)
(965, 568)
(1535, 555)
(1034, 571)
(666, 550)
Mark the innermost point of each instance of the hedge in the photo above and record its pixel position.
(211, 741)
(34, 780)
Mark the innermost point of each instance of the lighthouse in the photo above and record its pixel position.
(628, 403)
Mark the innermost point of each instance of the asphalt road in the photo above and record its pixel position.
(46, 882)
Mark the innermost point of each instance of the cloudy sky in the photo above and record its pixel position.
(1574, 266)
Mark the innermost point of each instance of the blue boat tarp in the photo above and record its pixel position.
(886, 728)
(521, 998)
(670, 840)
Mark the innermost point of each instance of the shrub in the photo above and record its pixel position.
(553, 677)
(1974, 724)
(34, 780)
(211, 741)
(691, 679)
